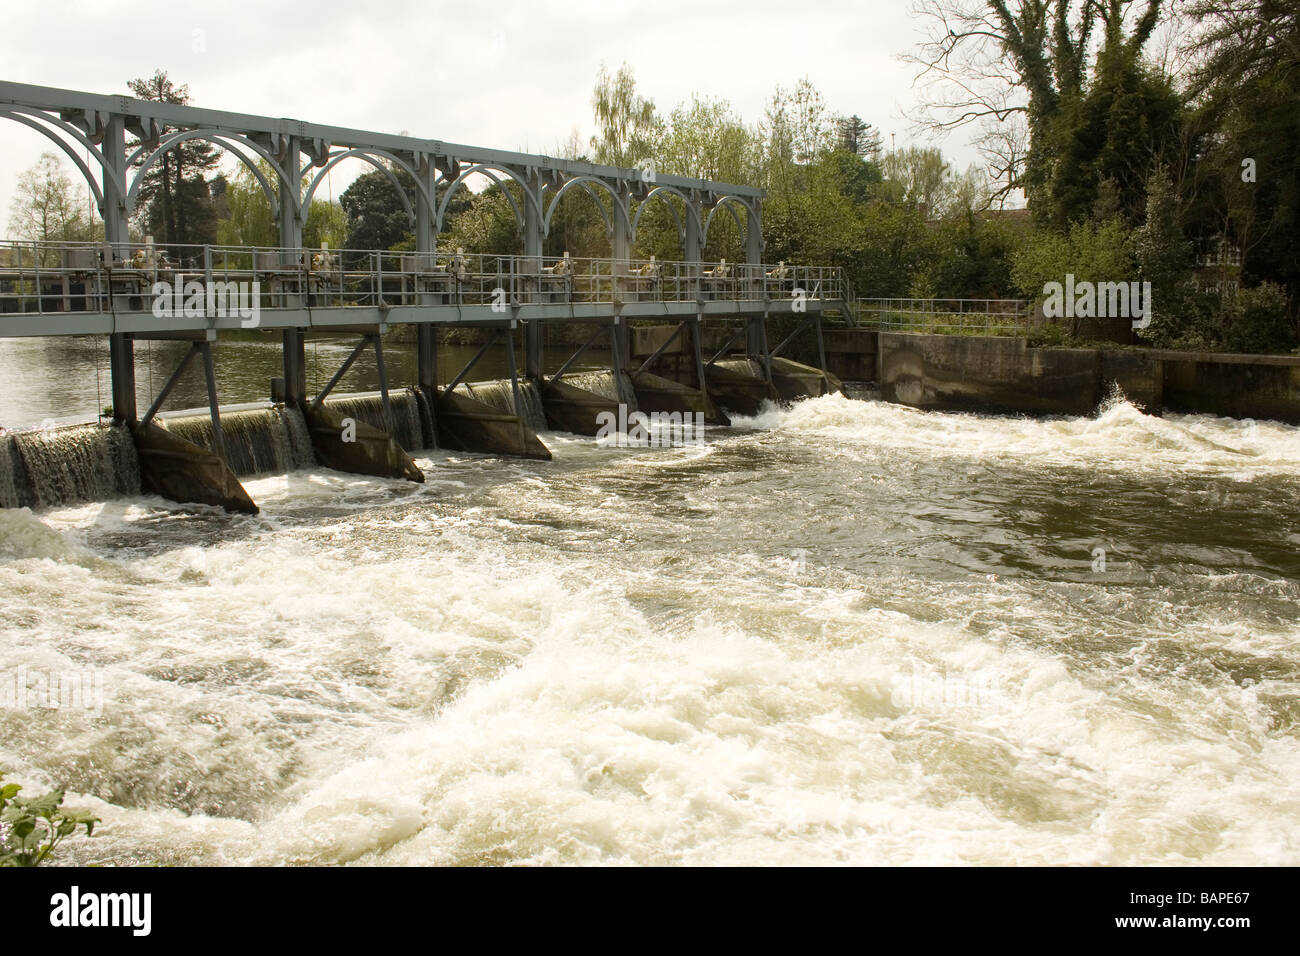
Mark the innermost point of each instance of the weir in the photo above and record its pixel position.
(111, 288)
(59, 466)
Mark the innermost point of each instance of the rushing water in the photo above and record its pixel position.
(841, 632)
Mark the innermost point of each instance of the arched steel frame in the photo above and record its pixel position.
(588, 182)
(227, 141)
(29, 117)
(369, 155)
(489, 171)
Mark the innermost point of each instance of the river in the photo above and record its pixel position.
(841, 632)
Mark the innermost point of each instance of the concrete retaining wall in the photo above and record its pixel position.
(996, 374)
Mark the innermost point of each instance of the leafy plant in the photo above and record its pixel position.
(31, 827)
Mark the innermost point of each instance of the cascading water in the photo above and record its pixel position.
(11, 471)
(500, 394)
(258, 440)
(601, 383)
(75, 463)
(408, 422)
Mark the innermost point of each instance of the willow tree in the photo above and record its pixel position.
(626, 121)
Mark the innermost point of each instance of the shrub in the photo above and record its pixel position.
(1257, 320)
(31, 827)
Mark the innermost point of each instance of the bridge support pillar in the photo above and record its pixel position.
(121, 349)
(121, 358)
(295, 368)
(534, 362)
(426, 356)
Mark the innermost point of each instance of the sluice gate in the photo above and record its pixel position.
(132, 290)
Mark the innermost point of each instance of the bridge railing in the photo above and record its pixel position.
(38, 278)
(946, 316)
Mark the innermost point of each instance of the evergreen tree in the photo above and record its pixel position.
(177, 204)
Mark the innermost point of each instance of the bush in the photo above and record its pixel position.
(1257, 320)
(1095, 252)
(30, 828)
(1250, 320)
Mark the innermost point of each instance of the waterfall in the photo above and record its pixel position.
(602, 383)
(12, 475)
(258, 440)
(408, 421)
(59, 466)
(499, 394)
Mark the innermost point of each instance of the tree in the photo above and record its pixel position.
(248, 220)
(1090, 251)
(708, 140)
(1245, 187)
(177, 200)
(798, 130)
(1163, 255)
(46, 206)
(486, 224)
(376, 216)
(625, 120)
(326, 223)
(918, 176)
(858, 137)
(1076, 90)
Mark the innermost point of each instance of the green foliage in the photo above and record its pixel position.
(626, 120)
(487, 224)
(1257, 320)
(706, 139)
(1246, 92)
(32, 827)
(1103, 141)
(858, 137)
(970, 258)
(1049, 335)
(47, 207)
(376, 216)
(247, 219)
(1163, 255)
(918, 176)
(326, 223)
(176, 200)
(1095, 252)
(1251, 320)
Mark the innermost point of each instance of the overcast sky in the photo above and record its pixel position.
(512, 75)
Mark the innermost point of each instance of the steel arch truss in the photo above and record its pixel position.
(491, 171)
(663, 193)
(51, 127)
(228, 142)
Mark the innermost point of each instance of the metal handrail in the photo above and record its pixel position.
(52, 277)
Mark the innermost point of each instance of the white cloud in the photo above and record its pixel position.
(513, 75)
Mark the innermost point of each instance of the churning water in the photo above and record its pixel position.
(841, 632)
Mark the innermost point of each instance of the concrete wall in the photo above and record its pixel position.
(1001, 374)
(851, 354)
(976, 373)
(1243, 386)
(994, 374)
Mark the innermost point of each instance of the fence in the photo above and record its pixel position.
(86, 277)
(947, 316)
